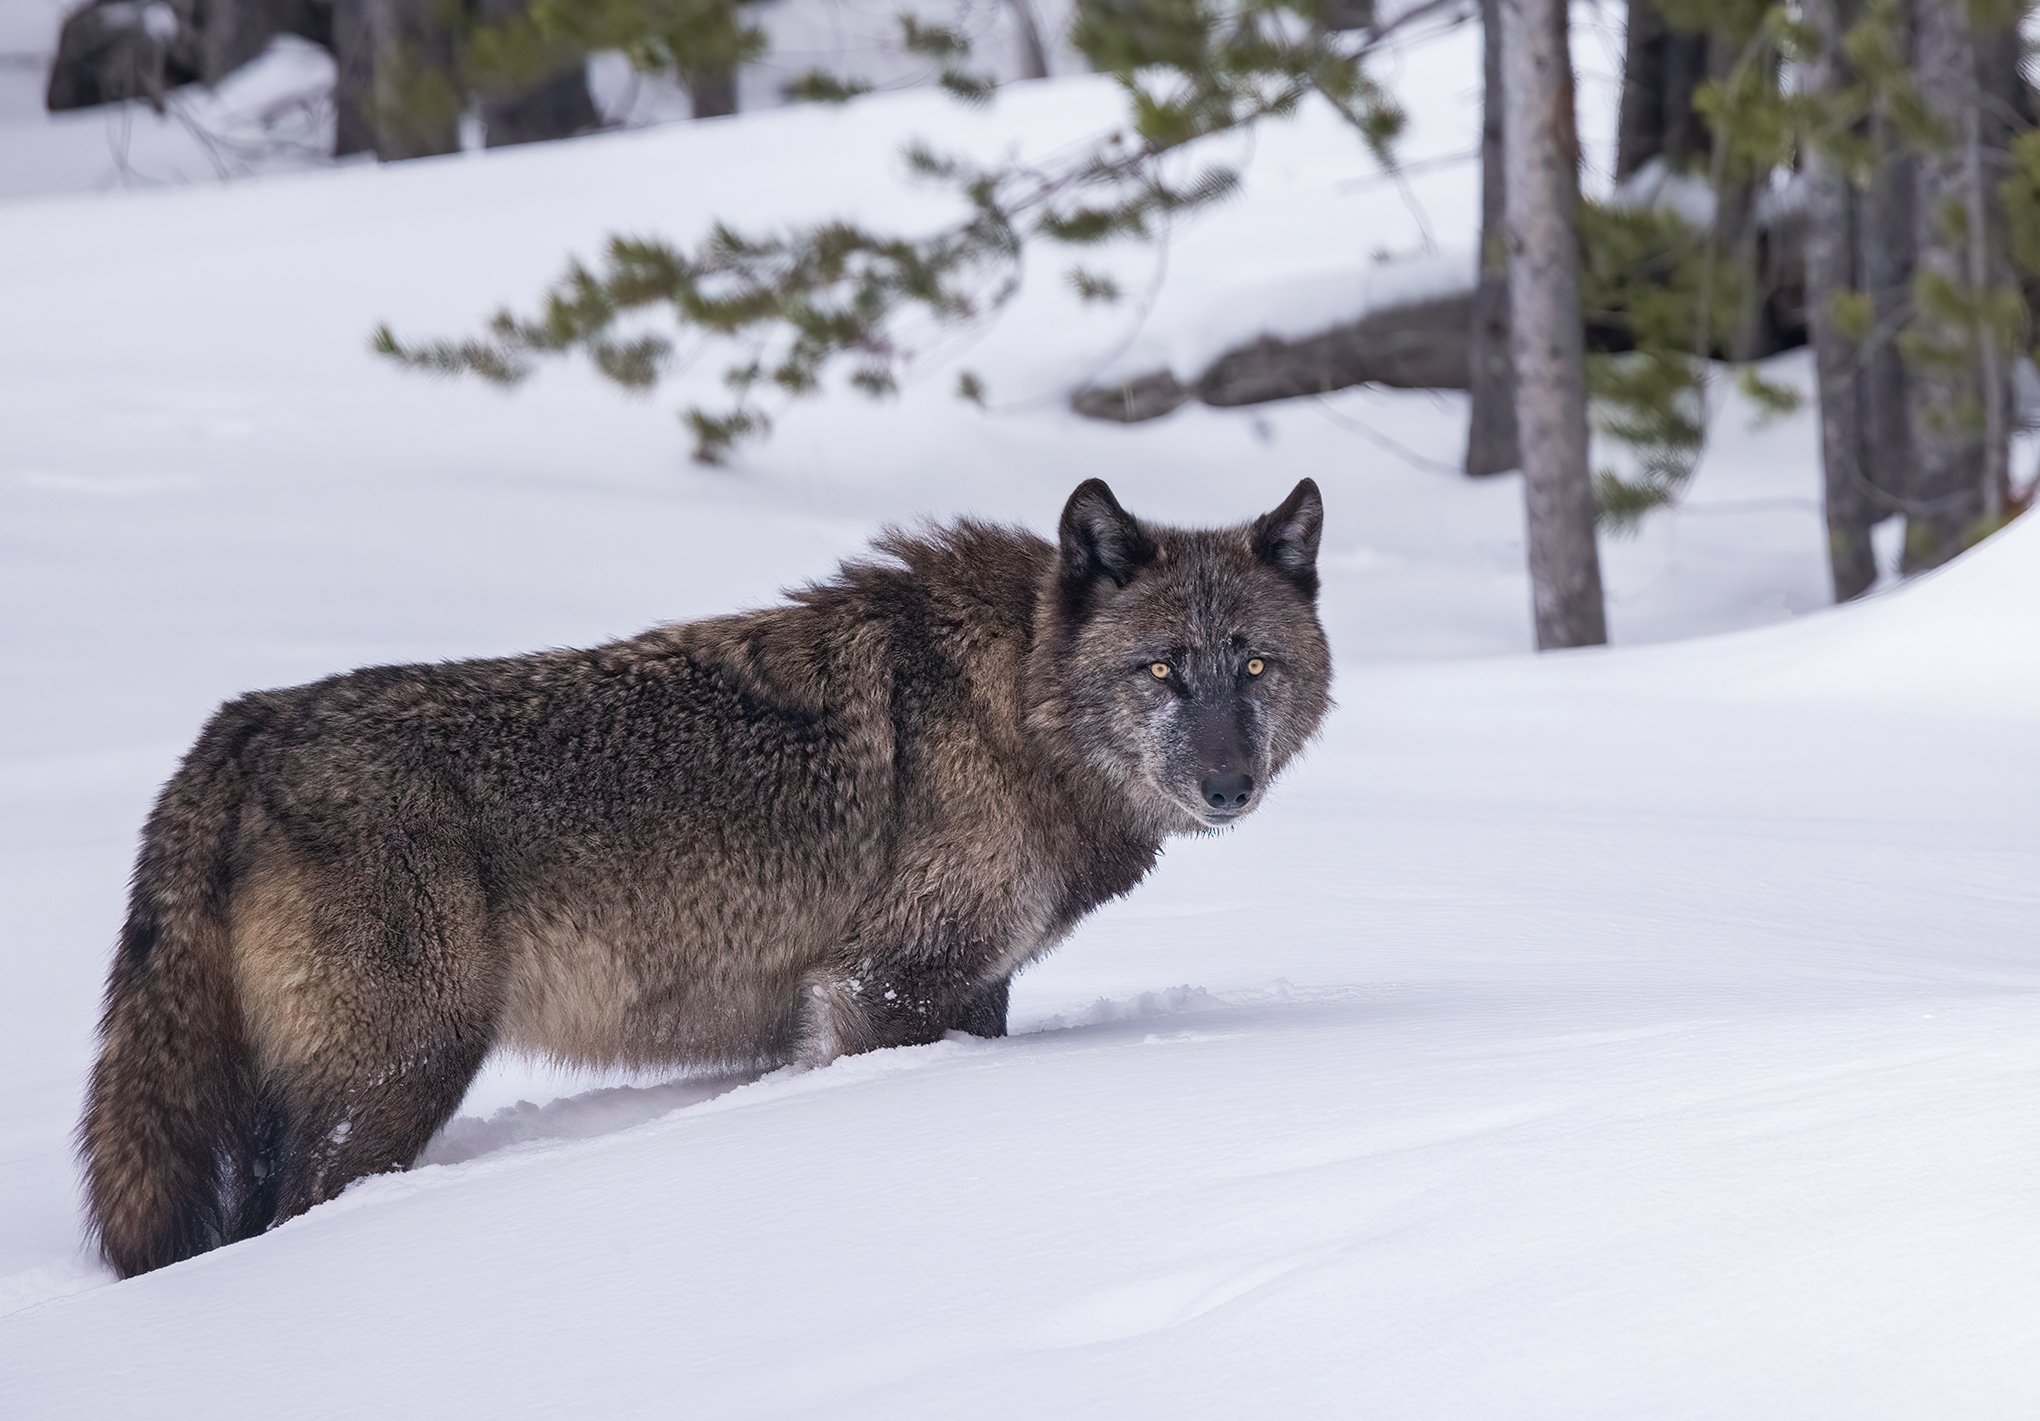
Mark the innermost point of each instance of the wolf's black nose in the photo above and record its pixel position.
(1227, 789)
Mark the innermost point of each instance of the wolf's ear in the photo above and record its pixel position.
(1287, 539)
(1100, 539)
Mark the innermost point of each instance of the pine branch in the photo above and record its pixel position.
(803, 301)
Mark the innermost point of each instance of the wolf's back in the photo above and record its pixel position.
(172, 1105)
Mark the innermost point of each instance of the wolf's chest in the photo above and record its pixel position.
(1094, 871)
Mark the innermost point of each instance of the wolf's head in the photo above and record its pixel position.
(1188, 665)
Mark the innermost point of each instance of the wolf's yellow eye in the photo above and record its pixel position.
(1255, 666)
(1159, 670)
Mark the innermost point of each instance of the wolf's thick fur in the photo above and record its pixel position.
(832, 825)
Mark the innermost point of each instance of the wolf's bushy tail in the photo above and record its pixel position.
(172, 1109)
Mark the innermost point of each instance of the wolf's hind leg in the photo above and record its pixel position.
(375, 998)
(338, 1129)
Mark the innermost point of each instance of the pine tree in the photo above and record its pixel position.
(1668, 294)
(1901, 123)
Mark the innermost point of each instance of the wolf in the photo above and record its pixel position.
(836, 824)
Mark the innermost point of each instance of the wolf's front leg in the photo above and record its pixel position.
(845, 1011)
(984, 1012)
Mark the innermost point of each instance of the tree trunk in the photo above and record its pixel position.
(1960, 391)
(1735, 212)
(1983, 234)
(232, 32)
(1687, 139)
(557, 106)
(417, 101)
(1542, 148)
(712, 88)
(714, 95)
(1887, 234)
(1838, 369)
(1661, 69)
(2004, 110)
(1639, 125)
(353, 78)
(1491, 445)
(1027, 29)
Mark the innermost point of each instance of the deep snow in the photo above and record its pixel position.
(1639, 1033)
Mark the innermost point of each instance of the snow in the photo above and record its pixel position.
(1648, 1032)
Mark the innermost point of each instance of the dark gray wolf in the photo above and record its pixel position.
(832, 825)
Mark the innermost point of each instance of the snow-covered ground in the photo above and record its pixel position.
(1641, 1033)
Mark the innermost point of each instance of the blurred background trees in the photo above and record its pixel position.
(1860, 176)
(408, 71)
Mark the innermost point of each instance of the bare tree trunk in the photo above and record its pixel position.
(1661, 69)
(1986, 274)
(1959, 428)
(232, 32)
(1838, 368)
(2011, 107)
(1639, 126)
(417, 104)
(1542, 147)
(2004, 108)
(1033, 54)
(1887, 234)
(712, 88)
(1491, 445)
(557, 106)
(1735, 215)
(1687, 139)
(714, 95)
(353, 79)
